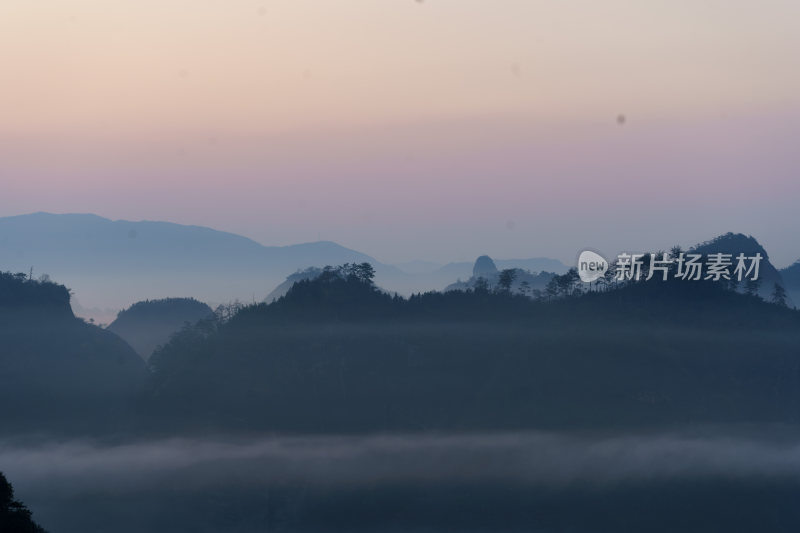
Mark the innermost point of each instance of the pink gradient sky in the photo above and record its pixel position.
(439, 130)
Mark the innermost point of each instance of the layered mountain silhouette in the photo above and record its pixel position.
(531, 275)
(109, 264)
(333, 354)
(434, 277)
(283, 288)
(114, 263)
(441, 277)
(485, 271)
(149, 324)
(336, 354)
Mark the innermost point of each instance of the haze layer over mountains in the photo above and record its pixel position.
(111, 264)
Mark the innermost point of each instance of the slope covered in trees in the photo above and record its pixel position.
(21, 291)
(58, 373)
(652, 380)
(737, 243)
(14, 516)
(335, 354)
(148, 324)
(485, 275)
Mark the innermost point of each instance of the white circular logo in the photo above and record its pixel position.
(591, 266)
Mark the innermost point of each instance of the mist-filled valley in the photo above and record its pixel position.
(492, 406)
(419, 266)
(711, 480)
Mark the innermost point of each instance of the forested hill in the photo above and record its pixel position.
(337, 355)
(58, 373)
(337, 298)
(20, 291)
(738, 243)
(14, 516)
(146, 325)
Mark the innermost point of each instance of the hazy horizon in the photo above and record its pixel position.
(567, 261)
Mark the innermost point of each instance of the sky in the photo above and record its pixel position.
(436, 129)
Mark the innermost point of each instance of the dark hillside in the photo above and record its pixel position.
(58, 373)
(336, 355)
(14, 516)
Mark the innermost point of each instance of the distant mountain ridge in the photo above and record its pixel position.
(111, 264)
(36, 237)
(114, 263)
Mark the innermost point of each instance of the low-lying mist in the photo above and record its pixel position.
(546, 459)
(297, 482)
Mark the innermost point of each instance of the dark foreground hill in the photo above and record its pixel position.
(58, 373)
(336, 355)
(650, 407)
(149, 324)
(14, 516)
